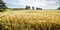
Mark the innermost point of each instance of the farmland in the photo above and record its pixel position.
(30, 20)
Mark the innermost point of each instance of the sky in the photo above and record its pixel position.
(45, 4)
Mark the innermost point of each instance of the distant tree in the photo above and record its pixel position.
(32, 7)
(2, 6)
(27, 7)
(58, 8)
(38, 8)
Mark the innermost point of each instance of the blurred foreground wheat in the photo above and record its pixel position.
(32, 20)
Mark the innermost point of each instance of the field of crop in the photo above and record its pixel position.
(30, 20)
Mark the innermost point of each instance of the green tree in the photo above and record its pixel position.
(2, 6)
(27, 7)
(58, 8)
(32, 7)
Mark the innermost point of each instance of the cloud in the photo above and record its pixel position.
(39, 3)
(31, 2)
(13, 3)
(45, 4)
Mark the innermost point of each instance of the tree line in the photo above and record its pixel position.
(28, 7)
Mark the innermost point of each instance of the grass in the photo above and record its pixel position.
(30, 20)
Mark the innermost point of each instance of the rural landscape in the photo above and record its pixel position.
(28, 18)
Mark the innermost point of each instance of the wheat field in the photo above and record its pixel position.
(30, 20)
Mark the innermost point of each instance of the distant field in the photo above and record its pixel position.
(30, 20)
